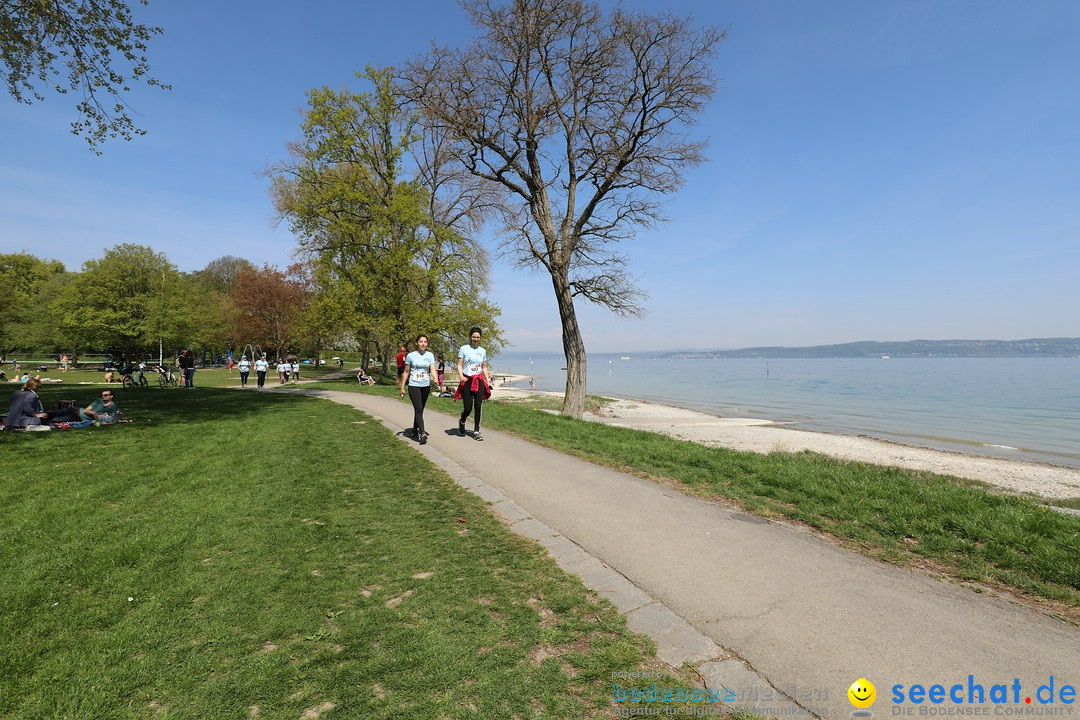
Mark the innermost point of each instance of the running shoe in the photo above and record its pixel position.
(461, 428)
(477, 436)
(423, 438)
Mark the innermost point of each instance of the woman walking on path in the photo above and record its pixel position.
(420, 363)
(472, 367)
(245, 369)
(261, 366)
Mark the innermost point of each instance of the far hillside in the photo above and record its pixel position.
(1035, 347)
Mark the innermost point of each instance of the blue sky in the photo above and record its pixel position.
(877, 170)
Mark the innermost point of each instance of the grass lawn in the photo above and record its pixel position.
(244, 554)
(946, 525)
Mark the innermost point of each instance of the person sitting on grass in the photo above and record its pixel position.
(25, 409)
(362, 378)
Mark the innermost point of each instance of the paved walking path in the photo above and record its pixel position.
(710, 582)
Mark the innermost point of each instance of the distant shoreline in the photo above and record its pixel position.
(874, 349)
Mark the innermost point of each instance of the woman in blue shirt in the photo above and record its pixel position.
(420, 364)
(472, 367)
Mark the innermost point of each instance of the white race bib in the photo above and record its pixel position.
(474, 369)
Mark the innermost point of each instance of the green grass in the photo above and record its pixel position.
(240, 553)
(906, 517)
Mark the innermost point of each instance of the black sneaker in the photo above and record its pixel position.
(477, 436)
(461, 428)
(423, 438)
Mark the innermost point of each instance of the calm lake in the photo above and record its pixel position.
(1024, 408)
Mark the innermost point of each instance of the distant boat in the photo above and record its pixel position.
(625, 357)
(885, 357)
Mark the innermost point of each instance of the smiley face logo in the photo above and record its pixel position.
(862, 693)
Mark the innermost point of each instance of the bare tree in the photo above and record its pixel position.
(580, 120)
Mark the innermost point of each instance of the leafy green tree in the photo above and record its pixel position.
(216, 315)
(22, 279)
(93, 48)
(314, 325)
(221, 275)
(38, 331)
(125, 301)
(9, 315)
(579, 121)
(391, 246)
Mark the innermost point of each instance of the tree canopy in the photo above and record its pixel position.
(391, 245)
(93, 48)
(269, 307)
(23, 279)
(133, 300)
(121, 301)
(579, 120)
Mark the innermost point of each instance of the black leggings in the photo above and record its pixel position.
(419, 396)
(467, 396)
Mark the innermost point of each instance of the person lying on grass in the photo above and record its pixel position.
(103, 409)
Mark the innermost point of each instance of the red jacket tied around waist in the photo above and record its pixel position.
(476, 381)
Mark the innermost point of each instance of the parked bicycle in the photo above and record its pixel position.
(166, 377)
(134, 378)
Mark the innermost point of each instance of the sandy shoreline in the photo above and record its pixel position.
(764, 436)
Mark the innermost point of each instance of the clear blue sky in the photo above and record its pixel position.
(877, 170)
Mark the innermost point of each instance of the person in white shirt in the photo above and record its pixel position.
(295, 370)
(261, 367)
(475, 387)
(244, 366)
(420, 364)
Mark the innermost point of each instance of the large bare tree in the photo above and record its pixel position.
(580, 118)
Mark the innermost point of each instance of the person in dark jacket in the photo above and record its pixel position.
(25, 409)
(187, 364)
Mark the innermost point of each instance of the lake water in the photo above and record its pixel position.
(1024, 408)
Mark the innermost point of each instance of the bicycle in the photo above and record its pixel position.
(166, 377)
(138, 381)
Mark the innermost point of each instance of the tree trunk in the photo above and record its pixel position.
(573, 348)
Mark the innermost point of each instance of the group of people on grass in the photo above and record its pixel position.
(417, 369)
(25, 410)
